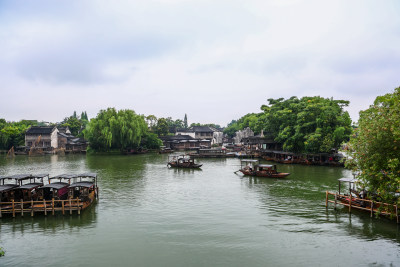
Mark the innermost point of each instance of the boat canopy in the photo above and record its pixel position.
(30, 186)
(88, 174)
(346, 179)
(64, 176)
(82, 184)
(19, 177)
(264, 165)
(249, 160)
(57, 185)
(6, 187)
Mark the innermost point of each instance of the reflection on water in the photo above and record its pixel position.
(149, 215)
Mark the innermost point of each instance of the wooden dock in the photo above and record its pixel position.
(373, 207)
(45, 206)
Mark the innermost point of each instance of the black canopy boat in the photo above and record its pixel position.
(83, 188)
(253, 167)
(7, 193)
(182, 161)
(56, 189)
(19, 188)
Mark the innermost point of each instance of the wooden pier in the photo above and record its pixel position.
(368, 205)
(45, 206)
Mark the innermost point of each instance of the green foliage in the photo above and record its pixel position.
(113, 129)
(151, 141)
(251, 120)
(74, 124)
(13, 133)
(162, 128)
(216, 126)
(375, 147)
(306, 125)
(2, 252)
(151, 121)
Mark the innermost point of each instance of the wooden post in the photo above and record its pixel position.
(335, 199)
(397, 214)
(13, 208)
(79, 210)
(45, 207)
(62, 203)
(0, 212)
(372, 209)
(326, 200)
(350, 203)
(31, 207)
(22, 207)
(70, 206)
(52, 206)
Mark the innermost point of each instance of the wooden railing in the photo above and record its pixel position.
(45, 206)
(363, 204)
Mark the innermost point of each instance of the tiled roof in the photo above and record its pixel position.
(40, 130)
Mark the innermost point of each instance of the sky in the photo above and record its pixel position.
(214, 60)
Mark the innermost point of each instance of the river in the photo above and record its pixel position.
(149, 215)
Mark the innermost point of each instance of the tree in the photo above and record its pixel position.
(113, 129)
(151, 122)
(185, 122)
(74, 124)
(306, 125)
(161, 128)
(375, 147)
(13, 133)
(151, 141)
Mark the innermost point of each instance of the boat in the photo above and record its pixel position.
(182, 161)
(84, 188)
(252, 167)
(357, 198)
(28, 186)
(165, 150)
(65, 192)
(19, 188)
(7, 194)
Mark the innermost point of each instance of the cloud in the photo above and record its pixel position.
(214, 60)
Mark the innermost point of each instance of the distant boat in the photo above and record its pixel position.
(252, 167)
(182, 161)
(165, 150)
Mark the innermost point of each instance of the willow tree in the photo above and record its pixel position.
(375, 147)
(113, 129)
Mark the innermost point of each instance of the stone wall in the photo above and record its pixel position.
(242, 134)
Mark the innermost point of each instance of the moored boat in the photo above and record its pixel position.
(358, 198)
(84, 188)
(66, 192)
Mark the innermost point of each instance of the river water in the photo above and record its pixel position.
(149, 215)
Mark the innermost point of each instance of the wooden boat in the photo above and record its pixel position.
(165, 150)
(27, 194)
(85, 189)
(357, 198)
(7, 193)
(252, 167)
(22, 188)
(182, 161)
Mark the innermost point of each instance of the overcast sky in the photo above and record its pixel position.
(215, 60)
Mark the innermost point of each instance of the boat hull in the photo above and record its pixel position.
(265, 174)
